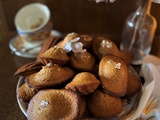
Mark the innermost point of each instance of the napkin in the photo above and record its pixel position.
(154, 63)
(150, 70)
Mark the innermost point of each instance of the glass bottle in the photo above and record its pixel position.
(138, 32)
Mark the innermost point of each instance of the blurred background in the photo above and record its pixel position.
(82, 16)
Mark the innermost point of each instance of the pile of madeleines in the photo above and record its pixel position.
(78, 74)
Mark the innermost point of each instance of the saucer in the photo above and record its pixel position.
(17, 46)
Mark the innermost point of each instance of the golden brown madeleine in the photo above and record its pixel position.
(134, 85)
(113, 74)
(86, 40)
(56, 105)
(50, 75)
(67, 39)
(82, 60)
(102, 105)
(84, 83)
(50, 42)
(54, 55)
(25, 93)
(102, 46)
(29, 69)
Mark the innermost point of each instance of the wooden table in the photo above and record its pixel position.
(9, 63)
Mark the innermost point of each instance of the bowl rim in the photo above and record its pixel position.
(21, 104)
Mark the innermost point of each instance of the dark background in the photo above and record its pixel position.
(83, 16)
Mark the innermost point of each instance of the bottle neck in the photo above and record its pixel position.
(144, 7)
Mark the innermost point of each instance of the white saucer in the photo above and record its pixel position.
(17, 45)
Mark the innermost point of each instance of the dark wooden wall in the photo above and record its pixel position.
(83, 16)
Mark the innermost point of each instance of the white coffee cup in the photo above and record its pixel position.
(33, 23)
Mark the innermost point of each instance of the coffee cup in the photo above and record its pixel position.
(33, 24)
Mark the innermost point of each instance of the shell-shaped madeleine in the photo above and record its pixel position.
(102, 105)
(84, 83)
(113, 73)
(50, 75)
(103, 46)
(56, 104)
(67, 39)
(82, 60)
(54, 55)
